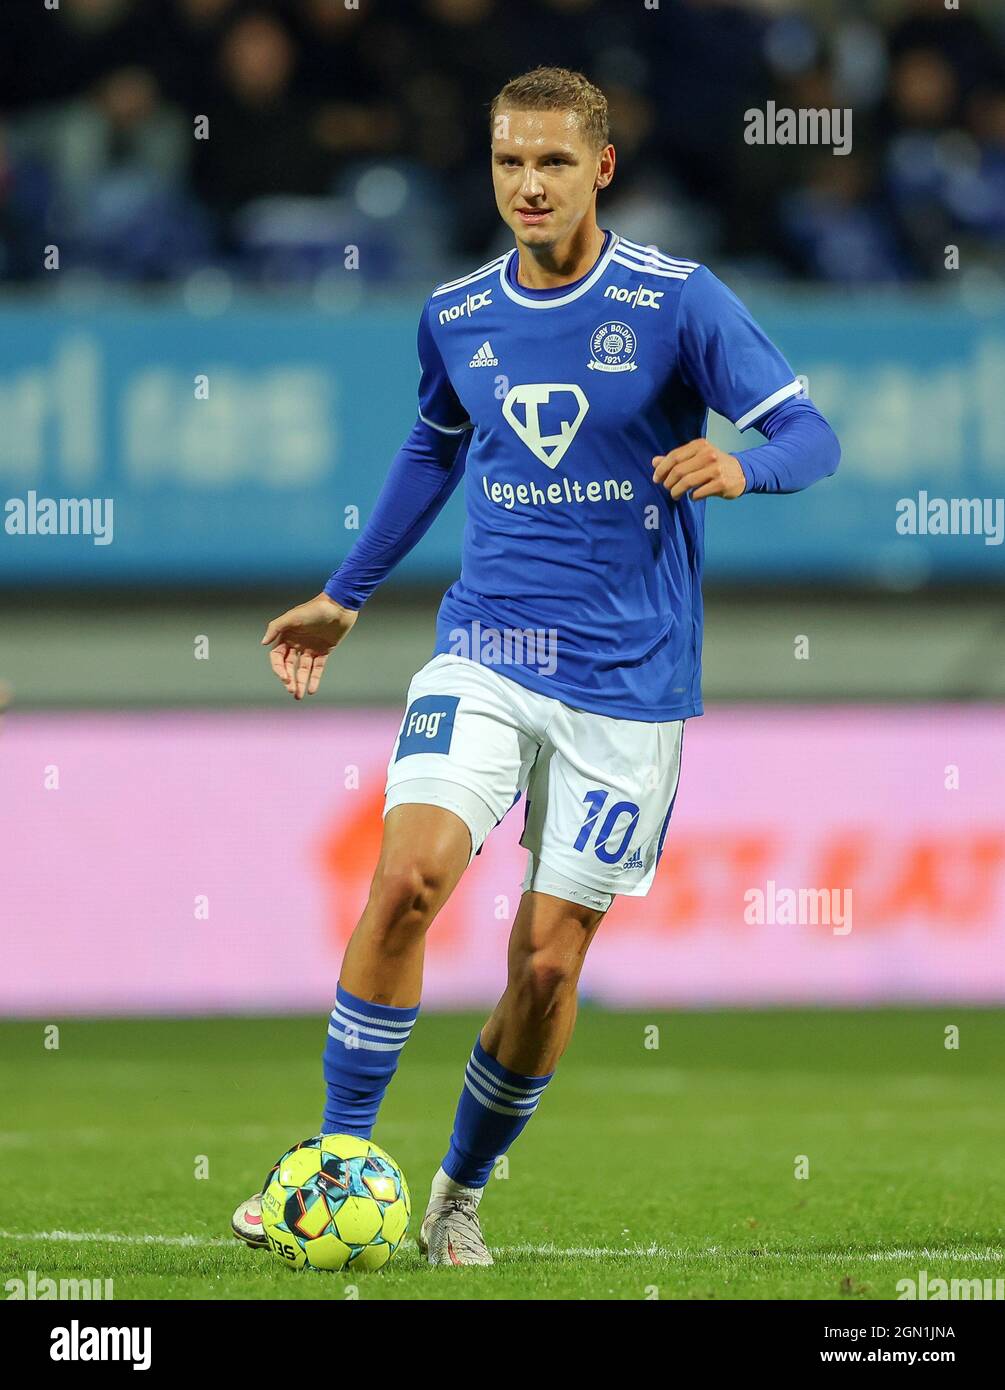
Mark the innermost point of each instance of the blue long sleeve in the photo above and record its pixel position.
(802, 448)
(422, 475)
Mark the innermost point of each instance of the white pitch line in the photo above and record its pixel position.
(596, 1252)
(114, 1238)
(578, 1252)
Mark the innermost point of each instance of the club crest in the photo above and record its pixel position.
(612, 348)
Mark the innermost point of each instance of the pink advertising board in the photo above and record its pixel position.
(198, 862)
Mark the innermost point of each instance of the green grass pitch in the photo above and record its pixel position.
(666, 1172)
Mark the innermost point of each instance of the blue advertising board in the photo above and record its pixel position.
(251, 446)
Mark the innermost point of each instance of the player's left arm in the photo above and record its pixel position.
(701, 469)
(737, 371)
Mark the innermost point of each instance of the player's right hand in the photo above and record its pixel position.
(302, 639)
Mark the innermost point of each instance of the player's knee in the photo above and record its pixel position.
(406, 892)
(544, 975)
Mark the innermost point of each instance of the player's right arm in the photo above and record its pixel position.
(423, 474)
(303, 638)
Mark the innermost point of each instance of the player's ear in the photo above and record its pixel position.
(603, 179)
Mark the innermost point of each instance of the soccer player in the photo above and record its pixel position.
(569, 382)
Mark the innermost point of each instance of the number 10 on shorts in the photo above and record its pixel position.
(595, 802)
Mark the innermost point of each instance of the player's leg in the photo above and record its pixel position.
(532, 1023)
(425, 849)
(598, 808)
(432, 830)
(462, 754)
(513, 1059)
(458, 762)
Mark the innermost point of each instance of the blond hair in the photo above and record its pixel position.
(558, 89)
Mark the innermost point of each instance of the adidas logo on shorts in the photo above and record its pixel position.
(635, 862)
(483, 357)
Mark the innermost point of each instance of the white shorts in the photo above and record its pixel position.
(599, 790)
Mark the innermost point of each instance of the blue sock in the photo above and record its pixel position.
(360, 1057)
(494, 1107)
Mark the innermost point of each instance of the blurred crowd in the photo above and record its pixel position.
(367, 126)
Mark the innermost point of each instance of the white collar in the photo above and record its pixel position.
(559, 300)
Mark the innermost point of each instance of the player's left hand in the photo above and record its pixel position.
(700, 469)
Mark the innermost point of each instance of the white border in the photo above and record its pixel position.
(446, 429)
(587, 284)
(793, 389)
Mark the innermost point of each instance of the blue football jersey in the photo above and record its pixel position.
(561, 399)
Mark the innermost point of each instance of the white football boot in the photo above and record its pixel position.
(246, 1223)
(451, 1233)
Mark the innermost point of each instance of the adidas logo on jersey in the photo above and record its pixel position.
(484, 357)
(638, 298)
(469, 305)
(635, 862)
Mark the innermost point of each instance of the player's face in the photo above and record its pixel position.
(545, 174)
